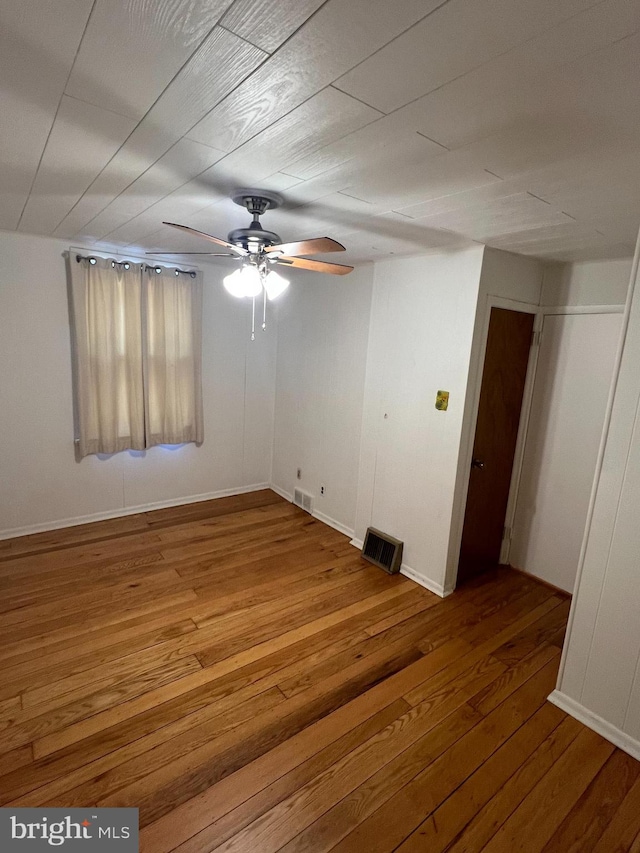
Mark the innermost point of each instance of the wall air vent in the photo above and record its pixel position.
(382, 550)
(303, 499)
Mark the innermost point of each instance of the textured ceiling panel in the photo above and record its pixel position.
(83, 138)
(515, 84)
(340, 35)
(500, 217)
(218, 65)
(174, 169)
(364, 144)
(400, 180)
(38, 43)
(333, 113)
(396, 128)
(132, 50)
(267, 24)
(458, 37)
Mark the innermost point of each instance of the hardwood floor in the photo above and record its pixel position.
(236, 671)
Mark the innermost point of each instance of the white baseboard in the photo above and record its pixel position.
(121, 512)
(410, 573)
(608, 731)
(286, 495)
(427, 583)
(326, 519)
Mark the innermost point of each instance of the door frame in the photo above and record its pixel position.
(543, 312)
(468, 439)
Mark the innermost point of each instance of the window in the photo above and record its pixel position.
(137, 333)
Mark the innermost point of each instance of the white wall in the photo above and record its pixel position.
(323, 328)
(512, 276)
(586, 283)
(422, 321)
(41, 484)
(600, 675)
(573, 377)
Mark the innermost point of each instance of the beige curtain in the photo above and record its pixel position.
(173, 362)
(137, 340)
(106, 311)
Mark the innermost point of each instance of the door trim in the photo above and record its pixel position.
(581, 309)
(523, 429)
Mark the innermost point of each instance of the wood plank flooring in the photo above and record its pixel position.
(236, 671)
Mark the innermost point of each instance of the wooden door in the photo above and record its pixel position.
(501, 392)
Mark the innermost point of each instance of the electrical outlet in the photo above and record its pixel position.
(322, 490)
(299, 473)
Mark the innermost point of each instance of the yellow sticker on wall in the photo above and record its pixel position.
(442, 401)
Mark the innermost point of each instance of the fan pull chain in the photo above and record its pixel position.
(253, 319)
(264, 310)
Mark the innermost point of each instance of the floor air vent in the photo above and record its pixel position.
(303, 499)
(382, 550)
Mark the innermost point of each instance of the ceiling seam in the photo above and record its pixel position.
(533, 195)
(98, 107)
(296, 31)
(232, 33)
(435, 141)
(382, 114)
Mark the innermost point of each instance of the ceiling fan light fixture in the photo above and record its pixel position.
(275, 284)
(251, 280)
(233, 284)
(243, 282)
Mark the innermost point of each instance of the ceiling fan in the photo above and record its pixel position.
(260, 251)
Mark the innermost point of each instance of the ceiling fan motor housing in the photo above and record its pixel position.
(254, 237)
(257, 201)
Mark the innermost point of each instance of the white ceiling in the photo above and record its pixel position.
(396, 127)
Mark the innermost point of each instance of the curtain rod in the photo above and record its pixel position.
(155, 267)
(112, 253)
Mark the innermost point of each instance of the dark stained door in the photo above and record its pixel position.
(501, 392)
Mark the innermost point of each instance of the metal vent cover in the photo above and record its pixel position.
(382, 550)
(303, 499)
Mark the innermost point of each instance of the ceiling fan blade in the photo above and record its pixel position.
(209, 254)
(237, 250)
(308, 247)
(314, 266)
